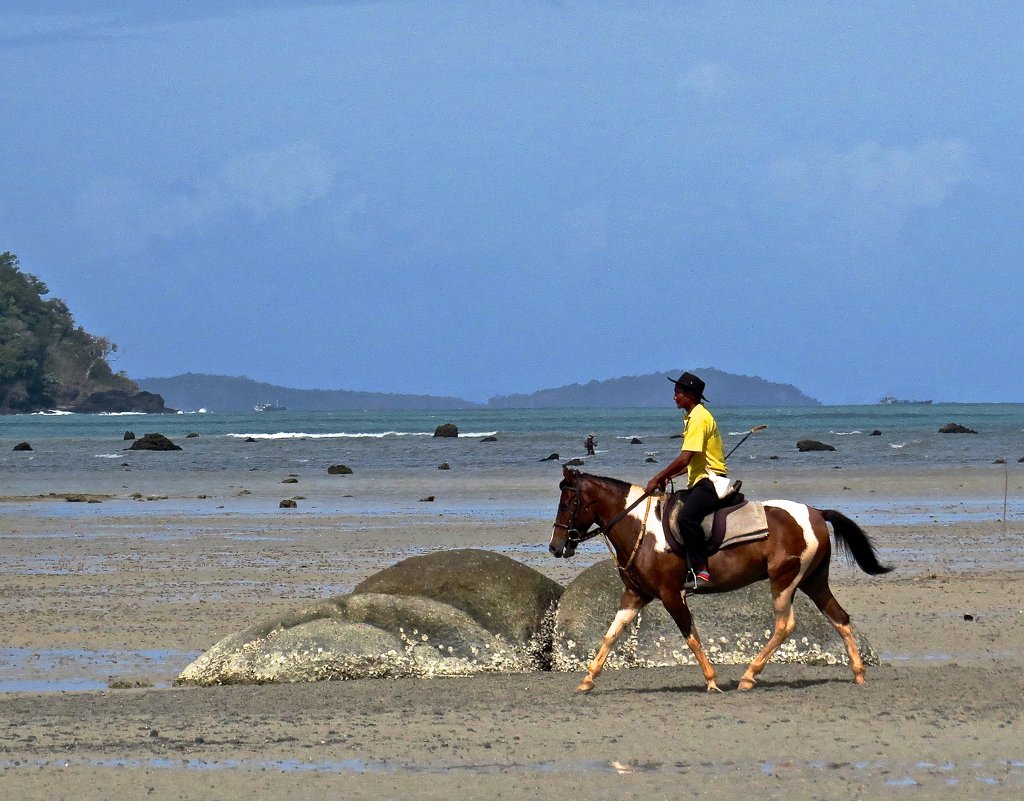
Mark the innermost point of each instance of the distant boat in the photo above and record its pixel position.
(268, 407)
(889, 400)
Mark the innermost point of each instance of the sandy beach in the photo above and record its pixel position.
(105, 602)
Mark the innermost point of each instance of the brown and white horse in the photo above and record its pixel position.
(794, 556)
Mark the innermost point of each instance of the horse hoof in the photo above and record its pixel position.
(747, 684)
(585, 687)
(713, 688)
(859, 678)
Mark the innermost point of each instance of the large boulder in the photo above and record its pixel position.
(429, 623)
(311, 644)
(358, 636)
(732, 626)
(446, 430)
(504, 596)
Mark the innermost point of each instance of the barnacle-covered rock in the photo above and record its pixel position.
(504, 596)
(467, 630)
(733, 627)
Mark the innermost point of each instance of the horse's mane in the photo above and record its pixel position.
(624, 485)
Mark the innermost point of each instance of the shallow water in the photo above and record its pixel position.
(64, 670)
(889, 773)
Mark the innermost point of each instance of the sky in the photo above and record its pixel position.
(484, 198)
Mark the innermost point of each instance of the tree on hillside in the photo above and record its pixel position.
(46, 361)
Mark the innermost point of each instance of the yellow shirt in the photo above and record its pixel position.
(700, 435)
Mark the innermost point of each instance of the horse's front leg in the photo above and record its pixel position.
(676, 606)
(629, 607)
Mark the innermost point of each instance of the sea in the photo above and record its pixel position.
(522, 446)
(908, 434)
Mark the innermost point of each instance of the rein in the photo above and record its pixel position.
(636, 545)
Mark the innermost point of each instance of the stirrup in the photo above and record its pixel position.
(701, 578)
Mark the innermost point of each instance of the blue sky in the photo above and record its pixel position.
(481, 198)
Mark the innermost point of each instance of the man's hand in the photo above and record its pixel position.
(654, 485)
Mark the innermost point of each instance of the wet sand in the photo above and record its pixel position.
(124, 593)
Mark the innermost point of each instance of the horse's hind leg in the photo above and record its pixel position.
(680, 613)
(785, 622)
(817, 589)
(629, 607)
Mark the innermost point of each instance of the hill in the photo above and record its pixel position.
(220, 393)
(723, 389)
(47, 362)
(217, 393)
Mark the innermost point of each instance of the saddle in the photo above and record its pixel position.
(735, 522)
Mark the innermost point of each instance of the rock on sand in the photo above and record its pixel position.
(450, 613)
(733, 627)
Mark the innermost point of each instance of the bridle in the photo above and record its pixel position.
(574, 536)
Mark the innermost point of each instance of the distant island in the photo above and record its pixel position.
(652, 390)
(217, 393)
(221, 393)
(48, 363)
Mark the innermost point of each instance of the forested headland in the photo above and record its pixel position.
(47, 362)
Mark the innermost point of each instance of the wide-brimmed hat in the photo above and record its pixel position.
(688, 382)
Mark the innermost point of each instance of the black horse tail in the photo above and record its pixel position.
(854, 542)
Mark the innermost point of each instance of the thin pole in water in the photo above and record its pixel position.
(1006, 488)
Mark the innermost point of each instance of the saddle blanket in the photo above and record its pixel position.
(735, 525)
(729, 526)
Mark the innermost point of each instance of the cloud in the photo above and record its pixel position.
(706, 78)
(124, 212)
(871, 185)
(29, 23)
(924, 176)
(263, 182)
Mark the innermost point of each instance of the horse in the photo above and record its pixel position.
(794, 556)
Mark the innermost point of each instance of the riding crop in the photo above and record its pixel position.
(753, 430)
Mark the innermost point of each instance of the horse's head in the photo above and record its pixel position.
(573, 518)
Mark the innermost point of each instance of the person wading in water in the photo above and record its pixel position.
(701, 454)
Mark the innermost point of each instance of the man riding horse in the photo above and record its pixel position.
(701, 455)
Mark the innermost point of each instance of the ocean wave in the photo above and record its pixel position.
(355, 435)
(844, 433)
(897, 445)
(108, 456)
(121, 414)
(51, 413)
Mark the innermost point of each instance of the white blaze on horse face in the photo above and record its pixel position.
(654, 528)
(801, 513)
(554, 533)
